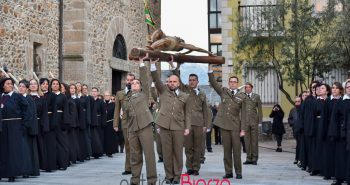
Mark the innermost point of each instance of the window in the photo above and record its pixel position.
(259, 17)
(216, 49)
(266, 85)
(214, 13)
(119, 48)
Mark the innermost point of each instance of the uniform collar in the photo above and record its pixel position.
(10, 93)
(196, 90)
(34, 94)
(346, 97)
(234, 90)
(74, 96)
(57, 93)
(333, 97)
(25, 94)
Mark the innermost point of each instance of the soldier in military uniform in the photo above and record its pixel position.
(231, 123)
(119, 116)
(199, 119)
(139, 121)
(253, 116)
(174, 120)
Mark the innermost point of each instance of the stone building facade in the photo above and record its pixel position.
(96, 37)
(29, 36)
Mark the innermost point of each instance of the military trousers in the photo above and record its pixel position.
(141, 142)
(127, 150)
(232, 151)
(193, 147)
(172, 149)
(251, 142)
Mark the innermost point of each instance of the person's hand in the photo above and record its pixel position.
(187, 131)
(154, 61)
(242, 133)
(142, 59)
(171, 62)
(116, 129)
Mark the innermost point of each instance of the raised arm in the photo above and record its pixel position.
(214, 84)
(159, 84)
(144, 79)
(154, 92)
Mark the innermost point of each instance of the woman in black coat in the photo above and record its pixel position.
(277, 125)
(32, 130)
(41, 110)
(60, 117)
(48, 160)
(14, 147)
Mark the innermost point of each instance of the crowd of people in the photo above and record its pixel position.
(320, 121)
(48, 125)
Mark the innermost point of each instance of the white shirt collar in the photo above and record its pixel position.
(74, 96)
(58, 92)
(34, 94)
(235, 90)
(25, 94)
(10, 93)
(196, 90)
(319, 97)
(79, 95)
(177, 91)
(332, 97)
(346, 97)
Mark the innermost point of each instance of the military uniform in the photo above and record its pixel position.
(253, 116)
(120, 105)
(199, 119)
(231, 123)
(174, 117)
(139, 120)
(156, 134)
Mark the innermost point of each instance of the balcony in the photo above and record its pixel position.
(261, 20)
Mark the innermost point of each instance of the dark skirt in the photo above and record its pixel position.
(83, 145)
(110, 139)
(316, 153)
(96, 144)
(328, 158)
(62, 148)
(34, 156)
(341, 162)
(47, 146)
(14, 150)
(74, 149)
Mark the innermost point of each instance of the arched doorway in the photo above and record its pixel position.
(119, 51)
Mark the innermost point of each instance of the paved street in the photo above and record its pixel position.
(272, 168)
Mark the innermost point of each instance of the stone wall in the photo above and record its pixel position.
(90, 29)
(26, 28)
(29, 35)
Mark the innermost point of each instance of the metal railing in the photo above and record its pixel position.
(261, 20)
